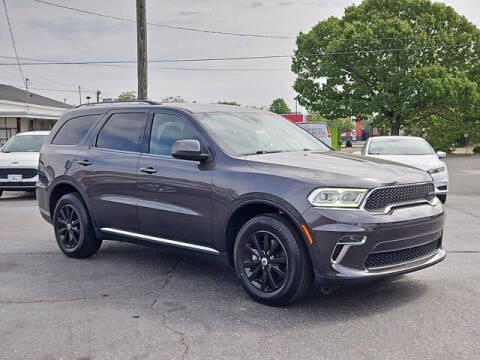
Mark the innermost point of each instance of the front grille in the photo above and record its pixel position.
(18, 184)
(400, 256)
(380, 198)
(26, 173)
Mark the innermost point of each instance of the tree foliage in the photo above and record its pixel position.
(279, 106)
(127, 96)
(402, 61)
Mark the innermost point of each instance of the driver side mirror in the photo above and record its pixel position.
(441, 154)
(189, 150)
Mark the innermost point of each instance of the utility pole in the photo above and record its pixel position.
(98, 95)
(142, 50)
(79, 94)
(27, 80)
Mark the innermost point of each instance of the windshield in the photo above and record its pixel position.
(396, 146)
(257, 133)
(24, 143)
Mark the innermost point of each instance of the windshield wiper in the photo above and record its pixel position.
(259, 152)
(268, 151)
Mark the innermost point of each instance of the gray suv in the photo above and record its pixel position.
(241, 185)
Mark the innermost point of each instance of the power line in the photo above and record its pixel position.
(175, 27)
(356, 52)
(13, 43)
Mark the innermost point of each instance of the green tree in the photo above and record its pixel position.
(127, 96)
(400, 61)
(279, 106)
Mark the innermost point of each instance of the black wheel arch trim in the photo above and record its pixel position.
(67, 181)
(297, 220)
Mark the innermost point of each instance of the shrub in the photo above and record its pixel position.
(476, 149)
(348, 143)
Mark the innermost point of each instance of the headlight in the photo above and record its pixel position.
(437, 170)
(337, 197)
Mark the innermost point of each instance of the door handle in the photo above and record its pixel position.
(148, 170)
(84, 162)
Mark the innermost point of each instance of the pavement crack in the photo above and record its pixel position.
(170, 273)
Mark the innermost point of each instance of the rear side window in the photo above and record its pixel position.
(122, 132)
(74, 130)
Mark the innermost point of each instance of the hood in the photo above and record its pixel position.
(424, 162)
(19, 159)
(338, 169)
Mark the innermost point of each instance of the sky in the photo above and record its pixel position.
(49, 33)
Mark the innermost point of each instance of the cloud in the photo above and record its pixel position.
(286, 3)
(256, 4)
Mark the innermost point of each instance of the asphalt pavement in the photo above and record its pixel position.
(132, 302)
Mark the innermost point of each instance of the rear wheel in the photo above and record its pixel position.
(73, 228)
(271, 261)
(443, 198)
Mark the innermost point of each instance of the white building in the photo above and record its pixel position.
(21, 111)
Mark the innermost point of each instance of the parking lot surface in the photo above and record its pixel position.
(131, 302)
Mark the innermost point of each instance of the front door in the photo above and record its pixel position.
(174, 196)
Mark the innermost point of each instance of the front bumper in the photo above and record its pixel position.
(23, 185)
(404, 240)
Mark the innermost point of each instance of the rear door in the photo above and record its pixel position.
(108, 169)
(174, 196)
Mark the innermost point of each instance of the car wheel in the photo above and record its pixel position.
(443, 198)
(272, 261)
(73, 228)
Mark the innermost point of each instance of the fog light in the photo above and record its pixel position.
(352, 240)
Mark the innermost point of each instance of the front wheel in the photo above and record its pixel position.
(272, 261)
(73, 228)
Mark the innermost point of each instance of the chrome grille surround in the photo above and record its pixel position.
(381, 200)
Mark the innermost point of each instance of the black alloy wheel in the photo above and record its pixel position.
(68, 226)
(272, 260)
(265, 261)
(73, 227)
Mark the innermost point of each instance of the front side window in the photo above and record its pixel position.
(245, 133)
(24, 143)
(73, 130)
(166, 129)
(399, 146)
(122, 132)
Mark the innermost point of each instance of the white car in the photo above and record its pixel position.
(413, 151)
(19, 161)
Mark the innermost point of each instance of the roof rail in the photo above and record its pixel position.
(131, 102)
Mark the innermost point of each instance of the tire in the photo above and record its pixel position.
(73, 228)
(261, 276)
(442, 198)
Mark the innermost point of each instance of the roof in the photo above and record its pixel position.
(11, 93)
(190, 107)
(33, 133)
(395, 137)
